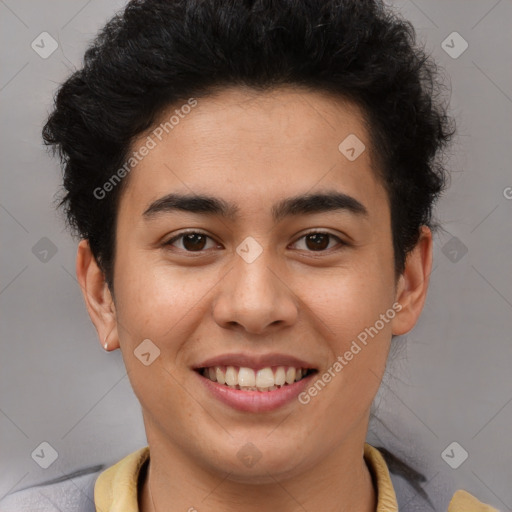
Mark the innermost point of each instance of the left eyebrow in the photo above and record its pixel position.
(292, 206)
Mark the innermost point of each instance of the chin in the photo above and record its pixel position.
(263, 465)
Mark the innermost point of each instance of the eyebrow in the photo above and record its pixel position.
(292, 206)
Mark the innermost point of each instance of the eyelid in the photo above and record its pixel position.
(187, 232)
(319, 231)
(312, 231)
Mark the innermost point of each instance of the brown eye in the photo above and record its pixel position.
(318, 241)
(191, 242)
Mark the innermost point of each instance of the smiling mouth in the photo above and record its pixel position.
(248, 379)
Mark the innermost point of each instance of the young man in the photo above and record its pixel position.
(253, 184)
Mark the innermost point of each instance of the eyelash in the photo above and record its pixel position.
(181, 235)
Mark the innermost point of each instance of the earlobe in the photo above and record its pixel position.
(97, 296)
(412, 285)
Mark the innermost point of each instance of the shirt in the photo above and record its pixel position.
(116, 488)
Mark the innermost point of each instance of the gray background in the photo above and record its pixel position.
(450, 379)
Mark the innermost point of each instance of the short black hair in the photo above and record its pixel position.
(155, 53)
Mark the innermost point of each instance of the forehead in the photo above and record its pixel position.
(248, 147)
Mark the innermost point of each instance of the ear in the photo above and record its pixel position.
(98, 299)
(413, 283)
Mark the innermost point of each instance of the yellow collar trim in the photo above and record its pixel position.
(116, 488)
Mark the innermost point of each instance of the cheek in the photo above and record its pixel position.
(359, 341)
(153, 299)
(159, 303)
(352, 299)
(355, 307)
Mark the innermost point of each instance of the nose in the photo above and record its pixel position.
(255, 296)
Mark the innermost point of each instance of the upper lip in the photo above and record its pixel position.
(254, 361)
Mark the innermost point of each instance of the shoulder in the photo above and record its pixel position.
(462, 501)
(397, 478)
(117, 486)
(71, 493)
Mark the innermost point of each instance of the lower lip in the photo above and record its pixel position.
(256, 401)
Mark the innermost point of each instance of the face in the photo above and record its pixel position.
(289, 264)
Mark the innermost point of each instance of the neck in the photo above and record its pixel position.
(341, 482)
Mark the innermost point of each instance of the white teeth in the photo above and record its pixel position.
(265, 379)
(247, 378)
(231, 376)
(290, 375)
(280, 377)
(221, 379)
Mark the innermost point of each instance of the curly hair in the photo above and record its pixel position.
(153, 54)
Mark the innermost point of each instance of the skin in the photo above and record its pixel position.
(255, 149)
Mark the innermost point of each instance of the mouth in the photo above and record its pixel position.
(270, 378)
(255, 383)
